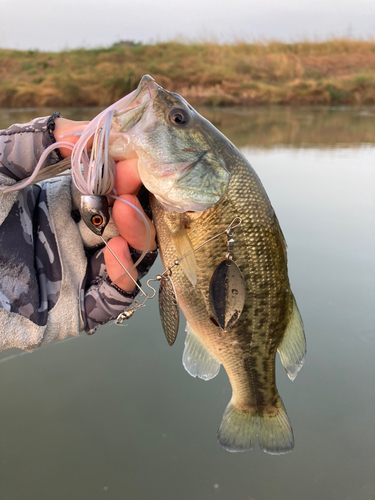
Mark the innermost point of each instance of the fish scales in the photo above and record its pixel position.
(247, 351)
(200, 183)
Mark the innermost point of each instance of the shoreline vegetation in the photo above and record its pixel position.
(335, 72)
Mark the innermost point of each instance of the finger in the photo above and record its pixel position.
(119, 246)
(65, 130)
(127, 177)
(131, 225)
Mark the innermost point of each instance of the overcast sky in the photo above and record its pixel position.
(56, 25)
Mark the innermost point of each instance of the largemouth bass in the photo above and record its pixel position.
(200, 183)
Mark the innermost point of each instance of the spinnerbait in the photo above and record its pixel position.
(168, 304)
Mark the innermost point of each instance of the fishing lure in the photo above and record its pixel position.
(227, 286)
(227, 289)
(92, 169)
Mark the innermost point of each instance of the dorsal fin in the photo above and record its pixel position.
(197, 359)
(292, 349)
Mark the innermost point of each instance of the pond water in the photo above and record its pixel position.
(116, 416)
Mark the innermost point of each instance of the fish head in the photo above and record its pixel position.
(177, 160)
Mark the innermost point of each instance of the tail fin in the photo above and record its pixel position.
(239, 430)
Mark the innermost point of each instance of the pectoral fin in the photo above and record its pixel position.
(183, 247)
(292, 349)
(197, 359)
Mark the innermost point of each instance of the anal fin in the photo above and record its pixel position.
(292, 349)
(197, 359)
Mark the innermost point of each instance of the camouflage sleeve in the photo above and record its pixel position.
(31, 271)
(21, 146)
(30, 268)
(102, 301)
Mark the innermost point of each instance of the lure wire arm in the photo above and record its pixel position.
(235, 223)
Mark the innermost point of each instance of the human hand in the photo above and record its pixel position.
(128, 223)
(65, 130)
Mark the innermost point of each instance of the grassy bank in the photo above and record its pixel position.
(333, 72)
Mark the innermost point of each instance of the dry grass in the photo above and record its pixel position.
(332, 72)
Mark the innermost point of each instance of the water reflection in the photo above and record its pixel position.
(297, 127)
(259, 127)
(116, 416)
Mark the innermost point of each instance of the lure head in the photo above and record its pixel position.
(94, 212)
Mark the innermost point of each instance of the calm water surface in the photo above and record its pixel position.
(115, 416)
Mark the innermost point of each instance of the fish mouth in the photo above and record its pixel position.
(145, 92)
(149, 83)
(140, 97)
(130, 109)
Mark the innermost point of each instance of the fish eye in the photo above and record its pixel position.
(97, 220)
(179, 116)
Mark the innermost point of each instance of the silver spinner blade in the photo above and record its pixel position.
(227, 294)
(168, 309)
